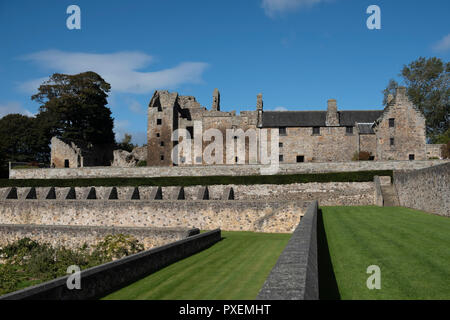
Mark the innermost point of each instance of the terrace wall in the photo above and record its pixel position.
(427, 189)
(216, 170)
(99, 281)
(237, 215)
(295, 276)
(76, 236)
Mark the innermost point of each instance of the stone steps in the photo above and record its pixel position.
(390, 198)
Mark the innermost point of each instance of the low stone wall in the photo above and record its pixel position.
(237, 215)
(99, 281)
(216, 170)
(295, 275)
(76, 236)
(427, 189)
(328, 194)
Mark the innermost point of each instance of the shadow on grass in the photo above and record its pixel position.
(328, 289)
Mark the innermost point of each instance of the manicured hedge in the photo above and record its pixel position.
(357, 176)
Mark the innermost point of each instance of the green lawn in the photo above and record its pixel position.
(234, 268)
(411, 248)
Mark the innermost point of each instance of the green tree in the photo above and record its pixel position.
(126, 144)
(73, 107)
(22, 139)
(428, 86)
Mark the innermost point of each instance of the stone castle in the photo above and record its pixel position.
(395, 133)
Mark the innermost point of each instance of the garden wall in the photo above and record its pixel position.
(216, 170)
(75, 236)
(237, 215)
(99, 281)
(426, 189)
(295, 275)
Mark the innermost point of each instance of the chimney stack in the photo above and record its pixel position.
(332, 115)
(259, 102)
(216, 100)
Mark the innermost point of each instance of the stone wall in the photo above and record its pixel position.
(102, 280)
(427, 189)
(332, 144)
(218, 170)
(434, 151)
(238, 215)
(328, 194)
(295, 276)
(76, 236)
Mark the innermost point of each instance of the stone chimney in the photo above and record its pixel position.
(401, 95)
(216, 100)
(259, 102)
(332, 115)
(259, 109)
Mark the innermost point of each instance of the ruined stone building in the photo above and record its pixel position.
(395, 133)
(65, 154)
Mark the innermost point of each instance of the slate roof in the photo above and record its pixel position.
(365, 128)
(348, 118)
(272, 119)
(294, 118)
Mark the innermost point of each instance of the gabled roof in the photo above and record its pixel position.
(317, 118)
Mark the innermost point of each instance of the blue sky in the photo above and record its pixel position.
(298, 53)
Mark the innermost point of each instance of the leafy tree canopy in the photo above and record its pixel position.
(74, 108)
(126, 144)
(22, 139)
(428, 86)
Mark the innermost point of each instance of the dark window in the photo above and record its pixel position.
(162, 143)
(300, 158)
(236, 159)
(349, 130)
(158, 121)
(392, 141)
(158, 135)
(280, 145)
(280, 158)
(235, 137)
(66, 163)
(191, 131)
(316, 130)
(159, 109)
(391, 122)
(371, 158)
(411, 157)
(282, 131)
(162, 157)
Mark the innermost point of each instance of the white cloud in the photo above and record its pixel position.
(120, 69)
(120, 128)
(135, 107)
(280, 109)
(13, 107)
(273, 8)
(443, 44)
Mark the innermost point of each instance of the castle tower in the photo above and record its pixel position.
(216, 100)
(332, 115)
